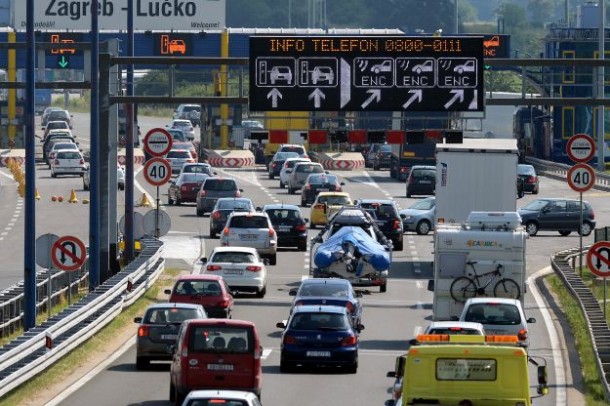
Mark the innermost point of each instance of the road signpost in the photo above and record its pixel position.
(580, 148)
(157, 171)
(68, 254)
(366, 73)
(157, 142)
(44, 243)
(598, 261)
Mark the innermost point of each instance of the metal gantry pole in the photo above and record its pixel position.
(129, 152)
(601, 144)
(94, 186)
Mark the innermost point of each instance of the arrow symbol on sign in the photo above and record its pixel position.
(346, 80)
(70, 253)
(457, 94)
(317, 95)
(375, 94)
(599, 257)
(274, 94)
(63, 62)
(416, 94)
(474, 104)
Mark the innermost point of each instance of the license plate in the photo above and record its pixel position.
(248, 237)
(284, 228)
(234, 272)
(318, 353)
(220, 367)
(169, 336)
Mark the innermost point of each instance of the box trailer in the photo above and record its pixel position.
(475, 175)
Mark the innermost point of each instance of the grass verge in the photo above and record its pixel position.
(594, 392)
(79, 357)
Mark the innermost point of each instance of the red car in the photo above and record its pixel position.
(185, 188)
(210, 291)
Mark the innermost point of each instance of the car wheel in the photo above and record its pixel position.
(286, 367)
(535, 191)
(212, 234)
(399, 246)
(85, 186)
(586, 229)
(172, 392)
(199, 213)
(273, 259)
(303, 246)
(352, 369)
(383, 288)
(282, 185)
(312, 225)
(271, 176)
(142, 363)
(121, 187)
(423, 227)
(178, 397)
(290, 191)
(531, 227)
(564, 233)
(408, 194)
(177, 202)
(261, 293)
(303, 203)
(375, 167)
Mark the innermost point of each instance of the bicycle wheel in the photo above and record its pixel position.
(507, 288)
(463, 288)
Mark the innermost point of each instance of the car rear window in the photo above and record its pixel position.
(323, 178)
(192, 177)
(218, 401)
(526, 170)
(455, 331)
(326, 289)
(298, 150)
(220, 185)
(380, 211)
(57, 125)
(68, 155)
(334, 200)
(196, 169)
(493, 313)
(248, 222)
(234, 257)
(277, 215)
(424, 174)
(178, 154)
(197, 287)
(170, 315)
(190, 108)
(309, 169)
(65, 145)
(221, 339)
(317, 321)
(234, 205)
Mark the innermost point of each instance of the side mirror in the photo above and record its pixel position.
(391, 374)
(215, 173)
(292, 292)
(288, 170)
(359, 294)
(258, 208)
(360, 327)
(413, 341)
(281, 324)
(327, 172)
(204, 260)
(167, 291)
(531, 320)
(137, 319)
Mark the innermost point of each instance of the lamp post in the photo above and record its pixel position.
(456, 17)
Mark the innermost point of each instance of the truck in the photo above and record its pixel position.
(42, 100)
(483, 256)
(467, 370)
(475, 175)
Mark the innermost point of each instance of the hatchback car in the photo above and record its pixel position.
(329, 291)
(319, 182)
(191, 112)
(241, 268)
(289, 225)
(499, 316)
(223, 209)
(419, 217)
(299, 149)
(527, 173)
(60, 144)
(177, 158)
(184, 188)
(212, 189)
(287, 169)
(54, 125)
(198, 167)
(421, 180)
(120, 177)
(299, 175)
(387, 218)
(57, 115)
(221, 398)
(247, 229)
(185, 126)
(319, 336)
(210, 291)
(325, 204)
(277, 162)
(159, 327)
(186, 146)
(68, 162)
(562, 215)
(455, 327)
(383, 157)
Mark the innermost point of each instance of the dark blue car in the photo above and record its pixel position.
(319, 336)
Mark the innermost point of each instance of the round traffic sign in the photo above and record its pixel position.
(157, 142)
(44, 243)
(580, 148)
(68, 253)
(581, 177)
(157, 218)
(598, 258)
(157, 171)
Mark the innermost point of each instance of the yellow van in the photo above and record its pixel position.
(467, 371)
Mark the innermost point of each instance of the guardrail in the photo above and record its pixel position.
(563, 263)
(560, 171)
(41, 346)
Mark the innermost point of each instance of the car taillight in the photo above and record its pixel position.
(349, 341)
(258, 353)
(82, 161)
(300, 227)
(201, 193)
(349, 306)
(285, 164)
(307, 186)
(531, 179)
(522, 334)
(226, 231)
(216, 214)
(184, 188)
(253, 268)
(273, 165)
(143, 331)
(237, 193)
(224, 303)
(319, 206)
(404, 169)
(338, 188)
(396, 225)
(214, 268)
(271, 232)
(289, 339)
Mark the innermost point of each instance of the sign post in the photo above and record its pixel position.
(157, 171)
(68, 254)
(598, 261)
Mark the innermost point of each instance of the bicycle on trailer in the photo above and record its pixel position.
(465, 287)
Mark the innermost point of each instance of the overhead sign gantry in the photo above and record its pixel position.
(366, 73)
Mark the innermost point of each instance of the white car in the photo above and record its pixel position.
(251, 229)
(120, 177)
(68, 162)
(177, 158)
(241, 267)
(287, 169)
(57, 146)
(456, 328)
(221, 397)
(185, 126)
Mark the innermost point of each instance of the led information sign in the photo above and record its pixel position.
(170, 44)
(366, 73)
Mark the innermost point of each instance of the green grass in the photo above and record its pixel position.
(594, 392)
(95, 345)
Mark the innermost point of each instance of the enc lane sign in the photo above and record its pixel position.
(581, 177)
(157, 142)
(157, 171)
(68, 253)
(598, 259)
(366, 73)
(580, 148)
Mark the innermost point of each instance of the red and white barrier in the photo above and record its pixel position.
(231, 159)
(347, 161)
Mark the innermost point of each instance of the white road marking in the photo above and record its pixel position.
(266, 353)
(141, 189)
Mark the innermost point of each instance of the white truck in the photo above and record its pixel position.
(483, 256)
(475, 175)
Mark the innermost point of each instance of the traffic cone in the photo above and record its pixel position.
(145, 202)
(21, 189)
(72, 198)
(37, 197)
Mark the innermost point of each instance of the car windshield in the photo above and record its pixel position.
(319, 321)
(219, 185)
(425, 204)
(334, 200)
(323, 289)
(170, 315)
(234, 204)
(248, 222)
(233, 257)
(178, 154)
(192, 177)
(493, 313)
(536, 205)
(526, 170)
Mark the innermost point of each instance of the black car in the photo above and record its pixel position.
(383, 157)
(561, 215)
(223, 208)
(527, 174)
(289, 225)
(276, 164)
(386, 215)
(421, 180)
(319, 182)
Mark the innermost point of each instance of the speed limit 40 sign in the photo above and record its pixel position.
(581, 177)
(157, 171)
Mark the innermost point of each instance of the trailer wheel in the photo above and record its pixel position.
(383, 288)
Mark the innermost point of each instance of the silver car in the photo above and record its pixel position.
(300, 173)
(420, 216)
(212, 189)
(177, 158)
(251, 229)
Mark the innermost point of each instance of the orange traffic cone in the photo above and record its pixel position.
(145, 202)
(72, 198)
(37, 197)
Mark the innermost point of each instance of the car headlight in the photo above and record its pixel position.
(408, 217)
